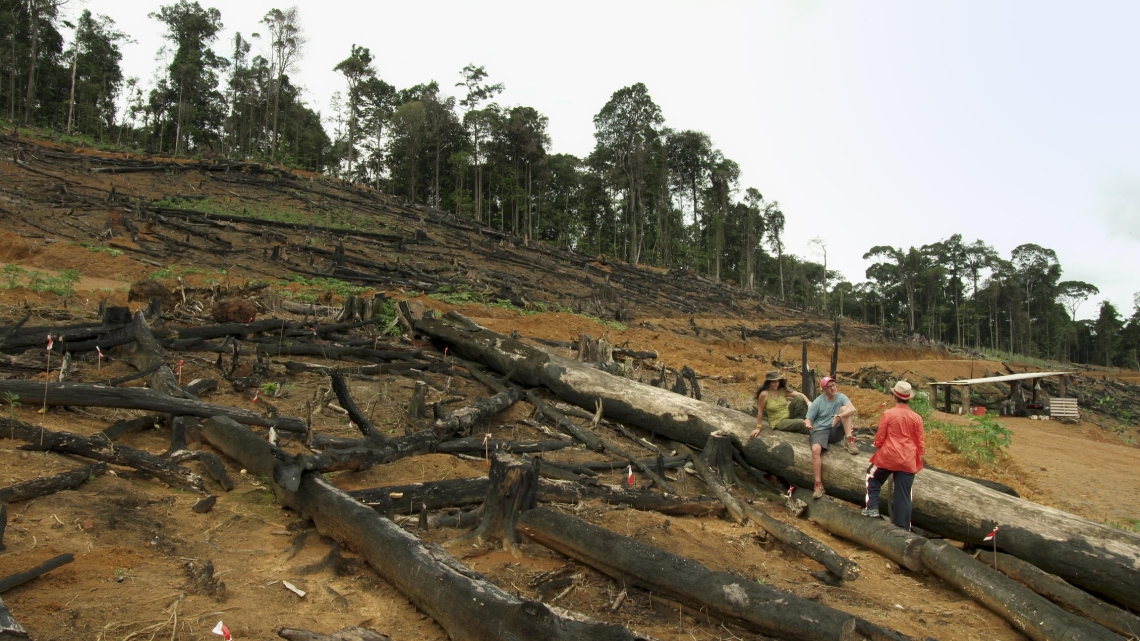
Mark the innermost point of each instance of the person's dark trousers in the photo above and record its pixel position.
(902, 506)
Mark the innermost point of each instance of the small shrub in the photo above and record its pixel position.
(983, 442)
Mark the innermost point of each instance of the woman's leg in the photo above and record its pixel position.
(903, 504)
(876, 476)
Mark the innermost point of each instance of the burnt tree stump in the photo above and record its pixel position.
(718, 456)
(513, 490)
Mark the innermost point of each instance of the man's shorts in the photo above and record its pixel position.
(824, 436)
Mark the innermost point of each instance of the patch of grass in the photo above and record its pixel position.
(461, 295)
(270, 389)
(388, 314)
(1129, 525)
(339, 287)
(61, 284)
(115, 253)
(337, 218)
(983, 442)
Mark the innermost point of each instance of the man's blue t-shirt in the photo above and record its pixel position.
(822, 411)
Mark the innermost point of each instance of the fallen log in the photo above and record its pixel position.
(51, 484)
(41, 439)
(340, 388)
(894, 543)
(758, 607)
(476, 444)
(121, 428)
(10, 629)
(137, 398)
(463, 603)
(1031, 614)
(1092, 555)
(1063, 594)
(438, 495)
(350, 633)
(20, 578)
(721, 447)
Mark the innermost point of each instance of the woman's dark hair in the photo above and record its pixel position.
(764, 386)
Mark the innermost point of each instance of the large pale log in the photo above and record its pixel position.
(138, 398)
(462, 602)
(629, 561)
(1063, 594)
(1032, 614)
(1092, 555)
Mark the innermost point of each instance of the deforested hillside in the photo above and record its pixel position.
(276, 400)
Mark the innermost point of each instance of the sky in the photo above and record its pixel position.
(888, 123)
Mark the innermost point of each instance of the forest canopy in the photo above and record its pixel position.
(647, 193)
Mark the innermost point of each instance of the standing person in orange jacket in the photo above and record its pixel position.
(901, 444)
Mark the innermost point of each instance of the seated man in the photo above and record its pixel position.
(820, 420)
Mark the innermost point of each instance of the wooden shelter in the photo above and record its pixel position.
(1013, 380)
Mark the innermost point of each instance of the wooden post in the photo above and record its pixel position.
(933, 396)
(835, 351)
(966, 407)
(806, 383)
(946, 404)
(1064, 385)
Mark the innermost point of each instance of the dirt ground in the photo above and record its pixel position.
(133, 536)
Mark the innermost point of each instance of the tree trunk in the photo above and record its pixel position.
(39, 438)
(29, 100)
(71, 97)
(1063, 594)
(19, 578)
(438, 495)
(1095, 556)
(137, 398)
(465, 605)
(757, 606)
(1029, 613)
(51, 484)
(894, 543)
(512, 489)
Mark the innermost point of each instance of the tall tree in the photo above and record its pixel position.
(192, 72)
(357, 71)
(478, 92)
(1038, 270)
(903, 268)
(286, 44)
(774, 231)
(624, 130)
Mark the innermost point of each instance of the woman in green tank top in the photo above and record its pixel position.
(785, 409)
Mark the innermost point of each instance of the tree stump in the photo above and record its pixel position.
(513, 490)
(416, 407)
(718, 455)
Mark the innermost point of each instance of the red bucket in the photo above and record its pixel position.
(978, 410)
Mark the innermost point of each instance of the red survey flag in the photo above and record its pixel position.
(629, 479)
(222, 631)
(991, 535)
(49, 342)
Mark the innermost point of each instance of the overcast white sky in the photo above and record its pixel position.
(895, 123)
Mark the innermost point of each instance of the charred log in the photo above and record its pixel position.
(463, 603)
(42, 439)
(758, 607)
(1028, 612)
(137, 398)
(1094, 556)
(1063, 594)
(51, 484)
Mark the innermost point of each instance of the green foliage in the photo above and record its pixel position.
(115, 253)
(62, 284)
(388, 314)
(13, 401)
(983, 442)
(338, 287)
(270, 388)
